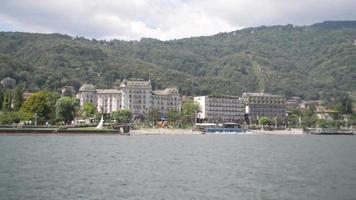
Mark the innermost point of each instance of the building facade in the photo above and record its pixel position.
(220, 108)
(293, 102)
(87, 94)
(264, 105)
(134, 95)
(166, 100)
(108, 100)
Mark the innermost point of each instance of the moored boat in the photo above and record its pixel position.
(330, 131)
(224, 131)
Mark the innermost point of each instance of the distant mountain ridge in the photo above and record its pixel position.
(336, 24)
(316, 61)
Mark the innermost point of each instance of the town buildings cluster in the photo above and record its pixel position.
(138, 96)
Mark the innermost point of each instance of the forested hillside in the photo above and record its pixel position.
(312, 62)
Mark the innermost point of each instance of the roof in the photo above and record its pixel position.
(27, 95)
(224, 97)
(87, 88)
(108, 91)
(259, 94)
(166, 92)
(136, 83)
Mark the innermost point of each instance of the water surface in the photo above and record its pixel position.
(177, 167)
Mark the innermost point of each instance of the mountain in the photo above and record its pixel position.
(336, 24)
(317, 61)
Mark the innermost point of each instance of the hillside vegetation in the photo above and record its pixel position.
(317, 61)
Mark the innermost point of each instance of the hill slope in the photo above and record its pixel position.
(310, 61)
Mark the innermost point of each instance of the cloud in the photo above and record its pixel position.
(163, 19)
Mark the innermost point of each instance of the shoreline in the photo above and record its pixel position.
(293, 131)
(138, 132)
(164, 131)
(53, 131)
(168, 131)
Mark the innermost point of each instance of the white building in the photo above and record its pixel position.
(220, 108)
(87, 94)
(108, 100)
(264, 105)
(166, 100)
(134, 95)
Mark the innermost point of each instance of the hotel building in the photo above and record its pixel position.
(166, 100)
(264, 105)
(134, 95)
(220, 108)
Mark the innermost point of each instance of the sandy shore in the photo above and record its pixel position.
(277, 132)
(164, 131)
(169, 131)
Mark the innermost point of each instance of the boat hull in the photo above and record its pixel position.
(224, 131)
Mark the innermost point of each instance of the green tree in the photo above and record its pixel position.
(293, 117)
(14, 117)
(264, 121)
(352, 120)
(42, 104)
(6, 104)
(1, 97)
(122, 116)
(189, 111)
(154, 115)
(309, 117)
(173, 118)
(66, 109)
(322, 123)
(89, 109)
(18, 97)
(344, 104)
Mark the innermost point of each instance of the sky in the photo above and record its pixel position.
(163, 19)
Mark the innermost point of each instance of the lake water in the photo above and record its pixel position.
(177, 167)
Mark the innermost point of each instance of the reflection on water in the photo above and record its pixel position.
(178, 167)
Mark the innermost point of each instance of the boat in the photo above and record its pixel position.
(226, 128)
(330, 131)
(223, 130)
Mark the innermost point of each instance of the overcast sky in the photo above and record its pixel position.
(163, 19)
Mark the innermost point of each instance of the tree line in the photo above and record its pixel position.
(51, 108)
(44, 107)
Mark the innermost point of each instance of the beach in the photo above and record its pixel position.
(293, 131)
(173, 131)
(164, 131)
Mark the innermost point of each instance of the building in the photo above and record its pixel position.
(68, 91)
(27, 95)
(293, 102)
(135, 95)
(264, 105)
(8, 83)
(108, 100)
(87, 94)
(323, 113)
(311, 104)
(166, 100)
(220, 108)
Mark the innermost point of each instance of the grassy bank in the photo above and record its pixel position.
(86, 130)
